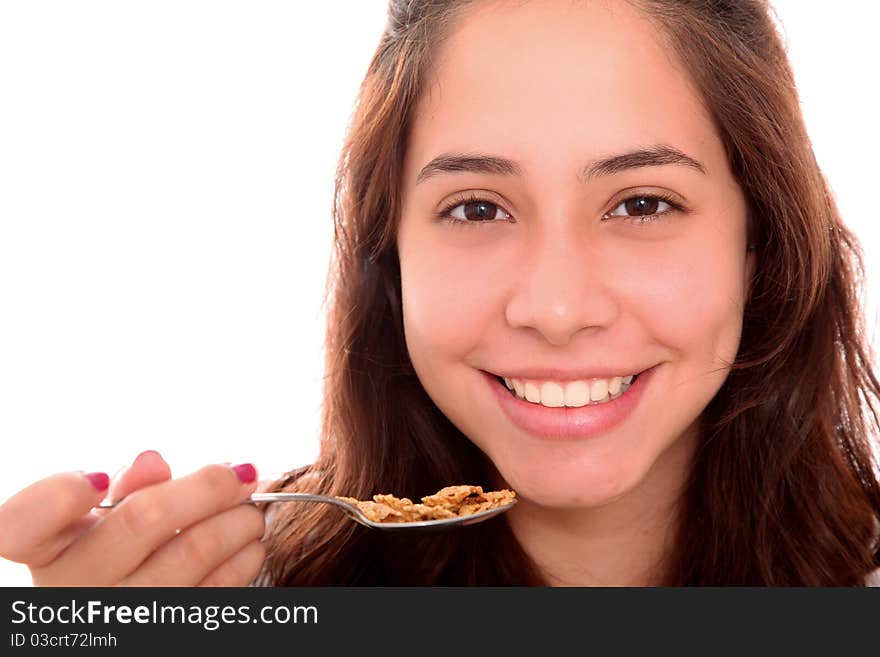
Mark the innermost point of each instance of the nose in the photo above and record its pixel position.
(561, 288)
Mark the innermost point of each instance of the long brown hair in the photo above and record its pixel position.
(783, 489)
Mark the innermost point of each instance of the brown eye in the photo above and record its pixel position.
(479, 210)
(641, 205)
(642, 209)
(476, 211)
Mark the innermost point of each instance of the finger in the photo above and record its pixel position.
(147, 519)
(148, 468)
(48, 550)
(36, 515)
(239, 570)
(189, 557)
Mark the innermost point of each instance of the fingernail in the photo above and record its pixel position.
(246, 472)
(99, 480)
(149, 451)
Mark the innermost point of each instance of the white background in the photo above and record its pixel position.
(166, 174)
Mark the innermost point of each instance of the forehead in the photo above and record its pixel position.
(552, 81)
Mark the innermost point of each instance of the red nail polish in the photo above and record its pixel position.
(100, 480)
(246, 472)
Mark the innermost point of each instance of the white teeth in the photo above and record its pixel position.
(577, 393)
(532, 392)
(552, 395)
(614, 385)
(518, 388)
(572, 394)
(599, 390)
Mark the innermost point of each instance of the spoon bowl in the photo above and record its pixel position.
(357, 515)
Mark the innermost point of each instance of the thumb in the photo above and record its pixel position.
(148, 468)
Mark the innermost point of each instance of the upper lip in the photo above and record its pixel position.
(564, 374)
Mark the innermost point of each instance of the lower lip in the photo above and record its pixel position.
(569, 423)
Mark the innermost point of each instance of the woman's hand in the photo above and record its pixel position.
(53, 528)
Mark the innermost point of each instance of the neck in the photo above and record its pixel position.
(624, 542)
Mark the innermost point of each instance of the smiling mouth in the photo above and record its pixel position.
(574, 394)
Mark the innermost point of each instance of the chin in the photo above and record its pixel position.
(572, 485)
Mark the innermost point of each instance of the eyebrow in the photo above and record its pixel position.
(651, 156)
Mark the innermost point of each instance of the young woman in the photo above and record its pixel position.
(583, 251)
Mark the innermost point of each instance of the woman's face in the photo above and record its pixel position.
(569, 269)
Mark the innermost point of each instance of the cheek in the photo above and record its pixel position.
(447, 301)
(691, 300)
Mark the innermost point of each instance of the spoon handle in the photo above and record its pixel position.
(290, 497)
(258, 497)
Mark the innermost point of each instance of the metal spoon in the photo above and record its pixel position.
(355, 513)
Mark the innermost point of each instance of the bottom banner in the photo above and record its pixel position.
(414, 620)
